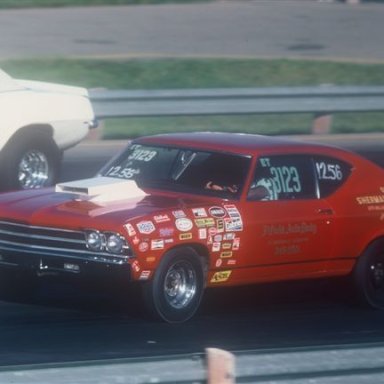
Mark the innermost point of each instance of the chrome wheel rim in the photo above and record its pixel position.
(180, 285)
(33, 170)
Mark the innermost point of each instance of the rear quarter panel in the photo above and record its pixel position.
(66, 113)
(358, 211)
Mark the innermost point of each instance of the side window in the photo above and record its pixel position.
(283, 177)
(331, 174)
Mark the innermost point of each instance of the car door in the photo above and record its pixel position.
(289, 228)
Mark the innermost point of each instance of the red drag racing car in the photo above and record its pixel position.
(181, 212)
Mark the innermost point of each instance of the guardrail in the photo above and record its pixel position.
(322, 101)
(362, 363)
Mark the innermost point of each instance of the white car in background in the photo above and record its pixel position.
(38, 122)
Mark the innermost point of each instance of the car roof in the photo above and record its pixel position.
(241, 143)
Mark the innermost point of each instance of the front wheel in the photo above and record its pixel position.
(368, 276)
(175, 292)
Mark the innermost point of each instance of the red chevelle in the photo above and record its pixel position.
(180, 212)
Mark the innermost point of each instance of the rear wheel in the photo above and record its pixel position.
(369, 276)
(175, 292)
(30, 161)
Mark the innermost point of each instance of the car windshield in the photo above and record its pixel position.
(181, 169)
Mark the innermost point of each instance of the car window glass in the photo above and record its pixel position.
(208, 172)
(283, 177)
(331, 174)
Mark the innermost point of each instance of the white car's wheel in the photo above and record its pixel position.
(30, 162)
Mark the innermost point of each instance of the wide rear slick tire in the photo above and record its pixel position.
(368, 276)
(175, 291)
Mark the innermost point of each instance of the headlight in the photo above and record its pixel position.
(111, 242)
(115, 243)
(94, 241)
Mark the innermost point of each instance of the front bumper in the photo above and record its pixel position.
(47, 250)
(43, 265)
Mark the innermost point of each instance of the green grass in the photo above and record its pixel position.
(195, 73)
(74, 3)
(158, 74)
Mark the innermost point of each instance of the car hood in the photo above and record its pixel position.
(74, 211)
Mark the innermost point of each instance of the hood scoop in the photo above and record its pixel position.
(102, 189)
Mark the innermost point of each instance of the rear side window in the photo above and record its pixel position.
(283, 177)
(331, 174)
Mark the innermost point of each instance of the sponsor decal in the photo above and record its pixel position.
(231, 262)
(136, 266)
(167, 231)
(136, 240)
(233, 225)
(212, 231)
(131, 231)
(157, 244)
(220, 225)
(220, 277)
(185, 236)
(287, 250)
(208, 222)
(226, 246)
(150, 259)
(184, 224)
(202, 233)
(218, 238)
(145, 227)
(145, 275)
(161, 218)
(297, 228)
(216, 247)
(219, 262)
(143, 247)
(375, 207)
(226, 254)
(232, 210)
(217, 212)
(199, 212)
(168, 241)
(179, 213)
(373, 199)
(236, 244)
(229, 236)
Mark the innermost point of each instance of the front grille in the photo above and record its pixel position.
(17, 238)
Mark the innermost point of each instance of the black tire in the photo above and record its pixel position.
(368, 276)
(175, 291)
(29, 161)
